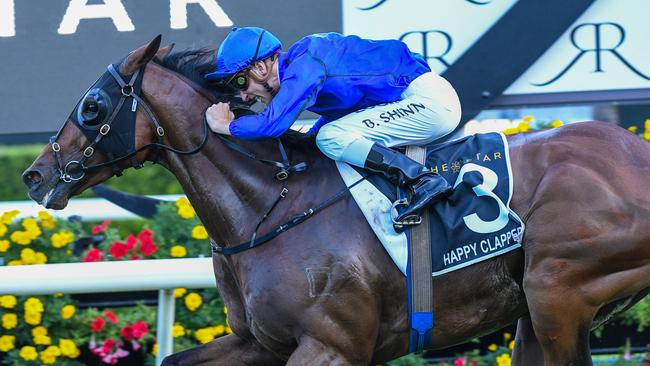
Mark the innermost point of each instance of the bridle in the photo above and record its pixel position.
(95, 116)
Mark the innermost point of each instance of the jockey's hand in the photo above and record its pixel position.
(219, 117)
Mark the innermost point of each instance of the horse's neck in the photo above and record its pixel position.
(229, 190)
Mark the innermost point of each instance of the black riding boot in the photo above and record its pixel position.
(426, 186)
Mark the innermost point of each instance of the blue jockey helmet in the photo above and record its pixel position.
(241, 49)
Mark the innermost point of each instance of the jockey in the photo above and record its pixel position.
(371, 96)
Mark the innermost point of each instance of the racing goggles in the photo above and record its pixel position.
(239, 81)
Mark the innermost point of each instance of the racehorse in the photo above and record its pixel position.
(326, 292)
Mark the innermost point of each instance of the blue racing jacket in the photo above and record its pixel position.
(332, 75)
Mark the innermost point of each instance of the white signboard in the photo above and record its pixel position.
(440, 30)
(607, 48)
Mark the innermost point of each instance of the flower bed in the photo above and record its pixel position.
(57, 330)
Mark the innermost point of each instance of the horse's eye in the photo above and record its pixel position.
(92, 107)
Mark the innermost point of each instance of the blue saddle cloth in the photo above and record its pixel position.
(475, 223)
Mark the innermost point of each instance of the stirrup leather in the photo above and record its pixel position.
(410, 220)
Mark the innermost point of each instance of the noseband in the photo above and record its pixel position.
(95, 116)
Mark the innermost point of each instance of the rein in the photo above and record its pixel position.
(295, 220)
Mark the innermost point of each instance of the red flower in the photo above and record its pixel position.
(117, 250)
(461, 361)
(108, 345)
(93, 255)
(131, 241)
(97, 324)
(145, 234)
(127, 332)
(101, 227)
(148, 247)
(140, 329)
(111, 316)
(135, 257)
(474, 363)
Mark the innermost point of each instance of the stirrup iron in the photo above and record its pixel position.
(410, 220)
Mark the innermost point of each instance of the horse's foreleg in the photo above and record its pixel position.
(561, 318)
(228, 350)
(528, 351)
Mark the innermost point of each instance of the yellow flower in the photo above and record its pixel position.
(21, 237)
(507, 336)
(199, 232)
(218, 330)
(7, 343)
(228, 330)
(179, 292)
(29, 223)
(510, 131)
(33, 318)
(503, 360)
(193, 301)
(528, 119)
(186, 212)
(511, 345)
(8, 301)
(50, 354)
(204, 335)
(154, 350)
(15, 262)
(3, 230)
(28, 353)
(178, 251)
(47, 220)
(68, 311)
(633, 129)
(39, 331)
(9, 321)
(8, 217)
(40, 258)
(62, 238)
(4, 245)
(68, 348)
(178, 330)
(43, 340)
(556, 123)
(225, 310)
(183, 201)
(492, 347)
(28, 256)
(34, 304)
(523, 126)
(31, 228)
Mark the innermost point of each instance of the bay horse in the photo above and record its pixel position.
(326, 292)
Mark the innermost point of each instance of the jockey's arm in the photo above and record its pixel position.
(300, 84)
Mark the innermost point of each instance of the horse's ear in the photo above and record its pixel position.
(141, 56)
(164, 51)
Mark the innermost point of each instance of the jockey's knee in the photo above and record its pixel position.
(341, 145)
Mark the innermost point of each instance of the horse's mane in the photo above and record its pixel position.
(195, 63)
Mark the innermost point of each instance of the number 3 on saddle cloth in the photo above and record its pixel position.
(473, 224)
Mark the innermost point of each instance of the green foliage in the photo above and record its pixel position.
(639, 314)
(16, 159)
(413, 359)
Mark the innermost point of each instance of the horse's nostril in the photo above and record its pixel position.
(32, 178)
